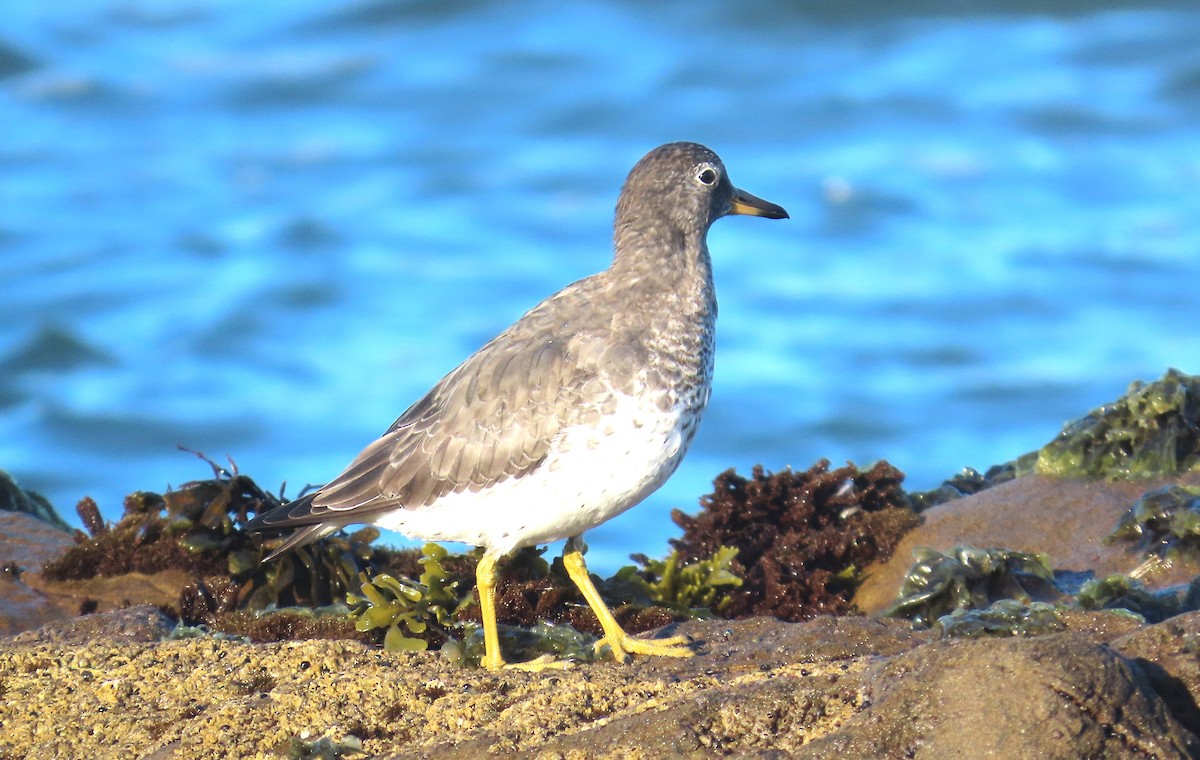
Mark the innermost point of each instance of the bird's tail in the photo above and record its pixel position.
(291, 515)
(302, 537)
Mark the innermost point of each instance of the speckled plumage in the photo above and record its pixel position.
(576, 412)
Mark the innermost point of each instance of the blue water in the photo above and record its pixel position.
(262, 229)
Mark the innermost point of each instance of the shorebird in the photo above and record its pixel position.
(574, 414)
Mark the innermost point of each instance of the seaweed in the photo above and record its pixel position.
(197, 529)
(966, 483)
(538, 607)
(985, 592)
(1004, 617)
(697, 589)
(1121, 592)
(562, 642)
(1154, 429)
(968, 578)
(1164, 522)
(802, 538)
(401, 606)
(289, 624)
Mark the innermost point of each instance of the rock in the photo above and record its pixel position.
(1048, 697)
(850, 687)
(143, 623)
(1166, 653)
(1067, 520)
(30, 542)
(27, 543)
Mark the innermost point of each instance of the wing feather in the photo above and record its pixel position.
(494, 417)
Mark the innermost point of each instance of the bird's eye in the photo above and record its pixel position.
(707, 176)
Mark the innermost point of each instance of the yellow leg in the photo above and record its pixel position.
(620, 642)
(485, 581)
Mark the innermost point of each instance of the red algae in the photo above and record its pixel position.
(802, 537)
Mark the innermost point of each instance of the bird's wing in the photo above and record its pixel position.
(494, 417)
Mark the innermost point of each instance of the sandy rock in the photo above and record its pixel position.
(847, 688)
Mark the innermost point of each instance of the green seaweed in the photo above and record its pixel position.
(968, 578)
(1004, 617)
(415, 614)
(1154, 429)
(1164, 522)
(697, 589)
(439, 607)
(1120, 592)
(402, 606)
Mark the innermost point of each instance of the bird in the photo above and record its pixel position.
(574, 414)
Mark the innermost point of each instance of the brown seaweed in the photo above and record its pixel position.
(802, 538)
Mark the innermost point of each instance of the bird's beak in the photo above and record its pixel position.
(745, 203)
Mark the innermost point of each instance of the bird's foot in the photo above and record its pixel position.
(622, 645)
(545, 662)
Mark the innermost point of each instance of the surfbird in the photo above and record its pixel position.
(574, 414)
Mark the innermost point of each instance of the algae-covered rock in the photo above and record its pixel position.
(968, 578)
(1005, 617)
(1154, 429)
(1164, 523)
(1067, 520)
(1121, 592)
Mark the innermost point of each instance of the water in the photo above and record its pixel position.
(262, 230)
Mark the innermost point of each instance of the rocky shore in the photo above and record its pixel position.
(855, 687)
(1077, 637)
